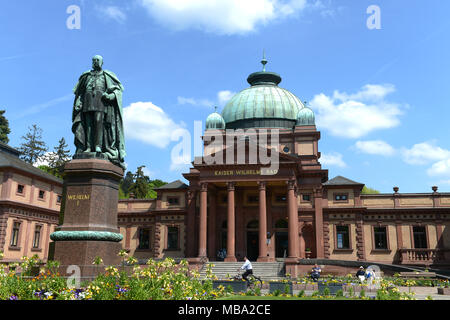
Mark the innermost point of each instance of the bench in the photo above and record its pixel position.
(417, 274)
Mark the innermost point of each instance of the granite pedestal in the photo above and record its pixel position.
(89, 228)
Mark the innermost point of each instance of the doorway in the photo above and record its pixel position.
(252, 245)
(281, 244)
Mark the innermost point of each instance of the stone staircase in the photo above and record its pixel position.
(265, 270)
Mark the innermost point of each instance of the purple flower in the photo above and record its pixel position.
(13, 297)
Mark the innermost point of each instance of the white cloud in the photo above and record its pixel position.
(378, 147)
(424, 153)
(43, 161)
(440, 168)
(112, 12)
(224, 96)
(332, 159)
(195, 102)
(356, 115)
(148, 123)
(221, 16)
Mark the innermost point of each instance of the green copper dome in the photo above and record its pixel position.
(306, 117)
(215, 121)
(263, 105)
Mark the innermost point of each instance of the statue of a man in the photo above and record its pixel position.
(97, 114)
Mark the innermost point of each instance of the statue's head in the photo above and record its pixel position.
(97, 62)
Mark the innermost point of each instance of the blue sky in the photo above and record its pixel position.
(381, 96)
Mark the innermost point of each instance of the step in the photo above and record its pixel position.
(264, 270)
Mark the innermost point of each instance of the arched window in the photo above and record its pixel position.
(254, 224)
(282, 223)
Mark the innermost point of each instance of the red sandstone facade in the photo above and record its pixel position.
(30, 201)
(294, 214)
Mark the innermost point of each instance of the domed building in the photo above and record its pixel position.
(259, 191)
(260, 157)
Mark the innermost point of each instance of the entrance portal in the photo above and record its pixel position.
(252, 245)
(281, 244)
(252, 240)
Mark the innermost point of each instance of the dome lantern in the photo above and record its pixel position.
(215, 121)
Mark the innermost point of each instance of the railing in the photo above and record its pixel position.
(424, 256)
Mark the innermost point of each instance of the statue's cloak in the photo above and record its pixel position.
(114, 146)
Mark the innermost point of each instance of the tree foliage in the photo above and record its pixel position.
(33, 148)
(367, 190)
(4, 128)
(139, 184)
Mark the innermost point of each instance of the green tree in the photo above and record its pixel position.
(140, 186)
(33, 147)
(125, 185)
(152, 185)
(4, 128)
(58, 158)
(367, 190)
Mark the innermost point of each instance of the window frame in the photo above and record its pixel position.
(276, 195)
(427, 240)
(15, 246)
(44, 195)
(178, 238)
(177, 202)
(22, 194)
(140, 230)
(340, 194)
(302, 200)
(349, 230)
(374, 248)
(41, 228)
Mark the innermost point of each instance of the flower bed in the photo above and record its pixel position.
(281, 286)
(234, 286)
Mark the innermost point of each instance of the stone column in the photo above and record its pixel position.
(293, 220)
(318, 223)
(190, 222)
(262, 223)
(231, 254)
(203, 220)
(212, 226)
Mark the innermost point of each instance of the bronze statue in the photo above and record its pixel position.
(97, 120)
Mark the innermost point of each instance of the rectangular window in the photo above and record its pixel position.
(172, 238)
(253, 199)
(280, 198)
(420, 237)
(340, 197)
(37, 237)
(144, 238)
(15, 234)
(58, 198)
(380, 238)
(41, 194)
(20, 188)
(173, 200)
(306, 197)
(342, 237)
